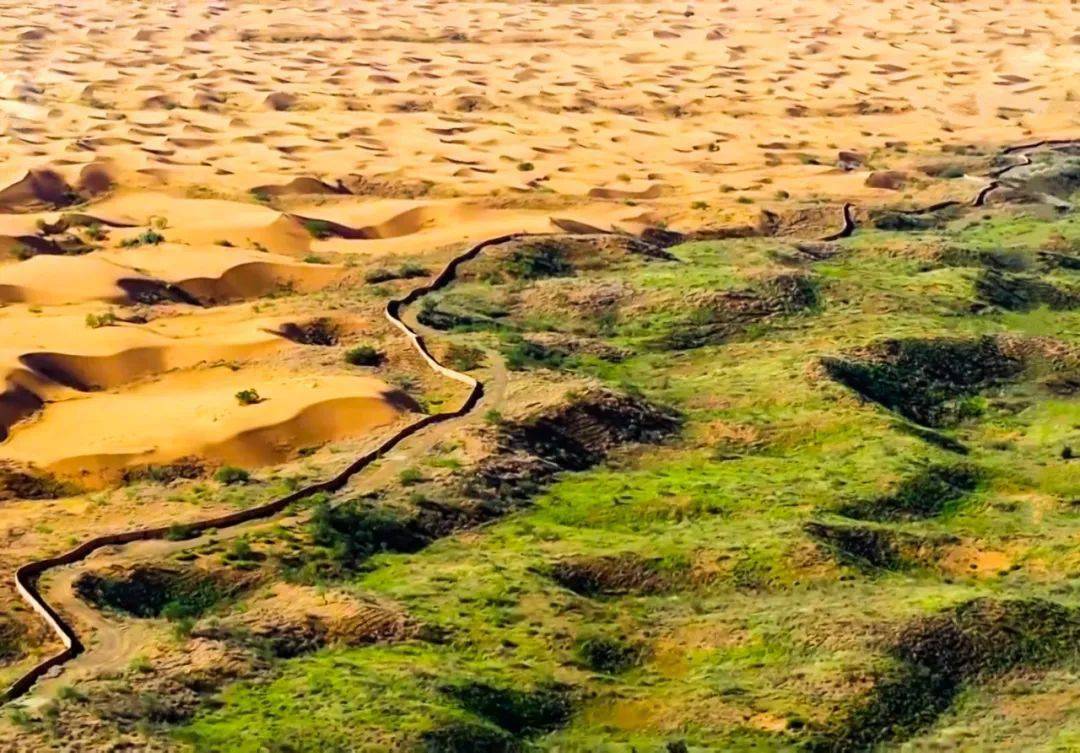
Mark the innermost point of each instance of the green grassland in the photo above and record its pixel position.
(761, 637)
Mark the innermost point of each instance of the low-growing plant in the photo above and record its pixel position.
(230, 475)
(96, 321)
(146, 238)
(363, 355)
(248, 397)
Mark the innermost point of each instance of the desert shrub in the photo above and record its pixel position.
(352, 532)
(607, 654)
(319, 229)
(900, 221)
(524, 354)
(146, 238)
(230, 475)
(538, 260)
(363, 355)
(248, 397)
(96, 321)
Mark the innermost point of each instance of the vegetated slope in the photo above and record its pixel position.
(850, 527)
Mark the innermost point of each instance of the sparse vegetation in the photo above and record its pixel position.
(96, 321)
(363, 355)
(146, 238)
(230, 475)
(248, 397)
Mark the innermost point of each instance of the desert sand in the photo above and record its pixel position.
(188, 159)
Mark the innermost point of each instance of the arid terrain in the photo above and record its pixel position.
(462, 376)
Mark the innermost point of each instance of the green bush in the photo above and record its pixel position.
(146, 238)
(363, 355)
(248, 397)
(607, 655)
(353, 532)
(96, 321)
(230, 475)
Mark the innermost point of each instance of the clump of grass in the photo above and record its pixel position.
(410, 476)
(363, 355)
(96, 321)
(146, 238)
(230, 475)
(526, 167)
(607, 654)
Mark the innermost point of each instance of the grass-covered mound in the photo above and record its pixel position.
(926, 380)
(938, 655)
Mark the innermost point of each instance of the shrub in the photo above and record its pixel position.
(379, 274)
(607, 655)
(463, 357)
(180, 532)
(146, 238)
(466, 737)
(526, 167)
(352, 532)
(520, 712)
(96, 321)
(248, 397)
(411, 476)
(230, 475)
(538, 260)
(363, 355)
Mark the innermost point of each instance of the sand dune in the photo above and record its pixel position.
(196, 413)
(465, 96)
(178, 166)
